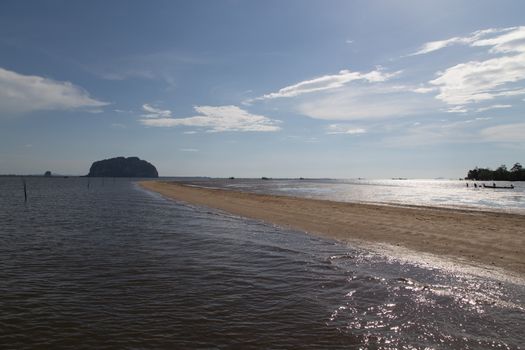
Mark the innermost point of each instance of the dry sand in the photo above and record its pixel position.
(489, 238)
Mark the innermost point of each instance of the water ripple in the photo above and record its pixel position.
(118, 267)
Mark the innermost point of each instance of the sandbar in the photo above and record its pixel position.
(490, 238)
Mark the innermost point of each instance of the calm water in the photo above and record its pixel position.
(442, 193)
(113, 266)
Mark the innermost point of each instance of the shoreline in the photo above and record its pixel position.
(494, 239)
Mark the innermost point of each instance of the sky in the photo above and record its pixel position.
(341, 89)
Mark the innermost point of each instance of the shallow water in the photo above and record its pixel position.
(440, 193)
(113, 266)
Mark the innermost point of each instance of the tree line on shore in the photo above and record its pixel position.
(516, 173)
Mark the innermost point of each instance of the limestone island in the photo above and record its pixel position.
(123, 167)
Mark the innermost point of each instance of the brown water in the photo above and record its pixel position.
(114, 266)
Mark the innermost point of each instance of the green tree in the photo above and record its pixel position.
(517, 173)
(516, 168)
(501, 173)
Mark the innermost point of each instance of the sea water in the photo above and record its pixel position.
(114, 266)
(435, 193)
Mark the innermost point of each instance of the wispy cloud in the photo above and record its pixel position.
(505, 133)
(189, 150)
(424, 89)
(328, 82)
(26, 93)
(153, 112)
(161, 66)
(512, 41)
(488, 108)
(366, 103)
(476, 81)
(214, 119)
(421, 134)
(334, 129)
(354, 95)
(457, 109)
(472, 39)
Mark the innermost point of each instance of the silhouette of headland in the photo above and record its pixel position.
(123, 167)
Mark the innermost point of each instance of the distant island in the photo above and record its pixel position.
(122, 167)
(516, 173)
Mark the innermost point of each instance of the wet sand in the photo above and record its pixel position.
(489, 238)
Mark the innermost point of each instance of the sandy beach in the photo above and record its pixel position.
(490, 238)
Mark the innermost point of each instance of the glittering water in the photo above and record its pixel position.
(114, 266)
(442, 193)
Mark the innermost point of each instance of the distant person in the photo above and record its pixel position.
(494, 184)
(467, 184)
(475, 185)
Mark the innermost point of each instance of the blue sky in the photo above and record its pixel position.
(417, 89)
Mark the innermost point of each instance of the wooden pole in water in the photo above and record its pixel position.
(25, 189)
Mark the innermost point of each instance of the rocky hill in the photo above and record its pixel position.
(122, 167)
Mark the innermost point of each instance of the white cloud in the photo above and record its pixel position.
(427, 134)
(352, 95)
(508, 93)
(424, 90)
(457, 109)
(189, 150)
(366, 102)
(153, 112)
(505, 133)
(26, 93)
(476, 81)
(483, 109)
(217, 119)
(328, 82)
(334, 129)
(348, 41)
(418, 134)
(191, 132)
(474, 39)
(439, 44)
(512, 41)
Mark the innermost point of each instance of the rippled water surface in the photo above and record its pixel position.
(113, 266)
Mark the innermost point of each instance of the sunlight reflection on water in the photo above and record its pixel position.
(114, 266)
(442, 193)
